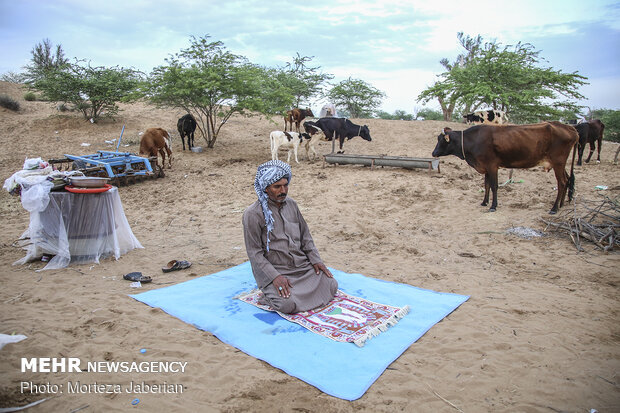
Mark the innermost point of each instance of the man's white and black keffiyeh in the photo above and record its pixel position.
(267, 174)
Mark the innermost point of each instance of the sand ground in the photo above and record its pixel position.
(540, 333)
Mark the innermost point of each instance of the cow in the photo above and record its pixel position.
(494, 117)
(311, 127)
(594, 135)
(156, 140)
(583, 129)
(341, 128)
(186, 126)
(487, 148)
(285, 140)
(296, 115)
(486, 116)
(315, 134)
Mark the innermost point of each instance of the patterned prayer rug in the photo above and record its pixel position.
(346, 318)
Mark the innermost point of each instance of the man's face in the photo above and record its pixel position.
(278, 190)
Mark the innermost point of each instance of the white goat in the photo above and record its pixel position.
(285, 140)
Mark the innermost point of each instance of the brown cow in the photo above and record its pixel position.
(487, 148)
(156, 140)
(296, 115)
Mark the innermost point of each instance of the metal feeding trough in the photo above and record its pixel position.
(432, 164)
(117, 166)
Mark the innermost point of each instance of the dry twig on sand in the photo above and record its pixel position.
(443, 399)
(594, 221)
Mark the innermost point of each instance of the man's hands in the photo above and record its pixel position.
(318, 267)
(283, 286)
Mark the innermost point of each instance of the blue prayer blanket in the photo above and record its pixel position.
(339, 369)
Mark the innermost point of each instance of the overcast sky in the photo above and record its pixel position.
(394, 45)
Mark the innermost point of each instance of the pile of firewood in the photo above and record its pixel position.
(594, 221)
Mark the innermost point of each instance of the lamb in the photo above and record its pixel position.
(286, 140)
(156, 140)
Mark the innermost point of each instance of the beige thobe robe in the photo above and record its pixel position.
(291, 253)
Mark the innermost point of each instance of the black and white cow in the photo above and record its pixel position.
(341, 128)
(486, 116)
(286, 140)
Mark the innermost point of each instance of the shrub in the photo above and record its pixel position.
(429, 114)
(13, 77)
(30, 96)
(398, 115)
(9, 103)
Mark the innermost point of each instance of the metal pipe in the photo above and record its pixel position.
(119, 138)
(393, 161)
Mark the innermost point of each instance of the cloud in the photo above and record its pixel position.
(402, 87)
(383, 40)
(602, 92)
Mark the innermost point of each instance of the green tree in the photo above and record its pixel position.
(275, 90)
(430, 114)
(212, 84)
(357, 97)
(402, 115)
(448, 99)
(303, 81)
(381, 114)
(44, 60)
(507, 78)
(397, 115)
(95, 91)
(611, 120)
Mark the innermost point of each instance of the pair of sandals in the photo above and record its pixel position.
(173, 265)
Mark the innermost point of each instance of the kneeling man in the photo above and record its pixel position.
(286, 264)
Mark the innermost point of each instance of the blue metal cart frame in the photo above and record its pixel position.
(116, 164)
